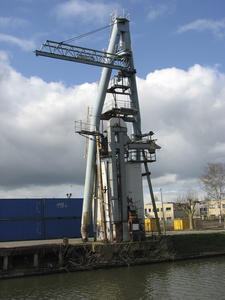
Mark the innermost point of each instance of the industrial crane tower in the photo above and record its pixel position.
(113, 194)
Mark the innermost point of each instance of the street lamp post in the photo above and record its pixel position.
(220, 218)
(164, 227)
(69, 195)
(220, 209)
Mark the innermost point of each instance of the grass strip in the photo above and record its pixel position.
(198, 243)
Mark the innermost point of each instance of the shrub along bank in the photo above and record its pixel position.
(46, 259)
(187, 244)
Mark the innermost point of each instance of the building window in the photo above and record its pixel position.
(203, 209)
(212, 216)
(157, 209)
(145, 210)
(223, 205)
(168, 208)
(212, 206)
(161, 209)
(168, 218)
(149, 210)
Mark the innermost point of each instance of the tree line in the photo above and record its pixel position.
(212, 182)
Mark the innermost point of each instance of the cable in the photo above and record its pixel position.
(85, 34)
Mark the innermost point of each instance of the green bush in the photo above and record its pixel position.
(198, 243)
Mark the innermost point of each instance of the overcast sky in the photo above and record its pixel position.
(178, 49)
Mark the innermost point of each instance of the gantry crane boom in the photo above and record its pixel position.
(113, 58)
(118, 61)
(119, 58)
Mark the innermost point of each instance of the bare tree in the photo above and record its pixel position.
(213, 182)
(188, 203)
(156, 198)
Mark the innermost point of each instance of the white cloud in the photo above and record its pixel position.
(50, 191)
(4, 56)
(185, 109)
(86, 11)
(9, 22)
(38, 144)
(218, 148)
(39, 149)
(216, 27)
(166, 179)
(26, 45)
(159, 10)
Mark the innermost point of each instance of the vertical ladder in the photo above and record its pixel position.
(87, 128)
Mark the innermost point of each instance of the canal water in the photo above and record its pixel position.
(190, 279)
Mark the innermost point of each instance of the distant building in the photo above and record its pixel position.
(171, 211)
(210, 209)
(214, 208)
(201, 210)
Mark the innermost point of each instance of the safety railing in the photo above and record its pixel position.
(120, 105)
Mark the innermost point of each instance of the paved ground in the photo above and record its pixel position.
(38, 242)
(77, 240)
(194, 231)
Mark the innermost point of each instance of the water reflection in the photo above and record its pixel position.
(195, 279)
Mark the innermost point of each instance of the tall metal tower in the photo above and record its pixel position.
(113, 183)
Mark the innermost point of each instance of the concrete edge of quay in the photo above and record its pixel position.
(29, 259)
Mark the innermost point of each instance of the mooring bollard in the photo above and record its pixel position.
(65, 241)
(5, 263)
(35, 260)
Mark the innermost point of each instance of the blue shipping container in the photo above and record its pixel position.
(21, 230)
(60, 228)
(21, 208)
(35, 219)
(62, 207)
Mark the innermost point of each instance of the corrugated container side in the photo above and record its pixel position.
(150, 225)
(35, 219)
(181, 224)
(21, 208)
(21, 230)
(63, 207)
(177, 224)
(60, 228)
